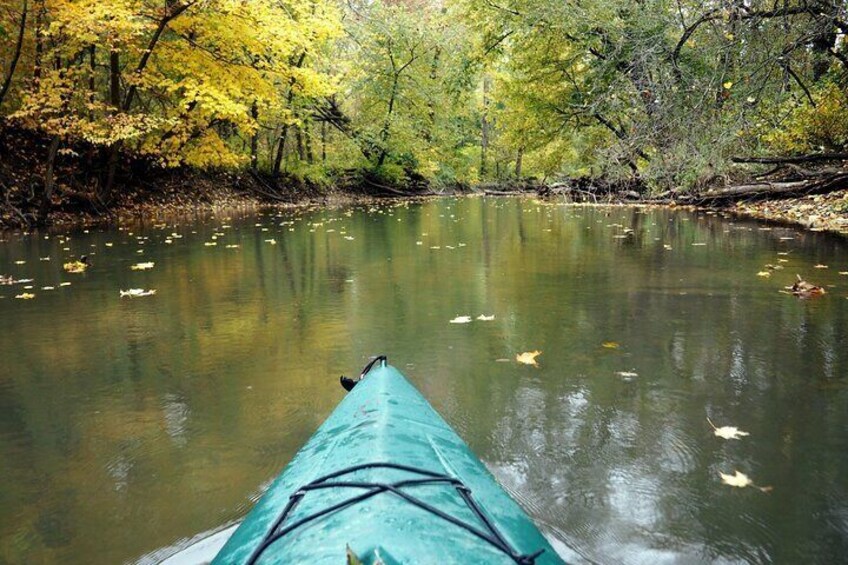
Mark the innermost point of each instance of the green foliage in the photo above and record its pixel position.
(460, 93)
(822, 127)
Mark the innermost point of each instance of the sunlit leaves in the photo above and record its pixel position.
(461, 320)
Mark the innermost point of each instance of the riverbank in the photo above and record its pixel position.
(818, 212)
(148, 192)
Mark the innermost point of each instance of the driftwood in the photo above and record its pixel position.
(816, 158)
(818, 184)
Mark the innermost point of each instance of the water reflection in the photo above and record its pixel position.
(129, 424)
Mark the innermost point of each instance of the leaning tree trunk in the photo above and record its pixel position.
(16, 54)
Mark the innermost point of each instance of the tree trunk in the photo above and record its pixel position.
(39, 41)
(323, 143)
(115, 80)
(254, 139)
(518, 160)
(114, 153)
(307, 142)
(49, 179)
(281, 146)
(298, 137)
(16, 55)
(484, 127)
(384, 133)
(92, 84)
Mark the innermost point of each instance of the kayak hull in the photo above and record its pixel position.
(385, 433)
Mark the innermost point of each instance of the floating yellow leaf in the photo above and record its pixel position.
(461, 320)
(528, 358)
(143, 266)
(843, 273)
(740, 480)
(727, 432)
(727, 85)
(25, 296)
(610, 345)
(764, 274)
(627, 374)
(485, 318)
(730, 432)
(137, 293)
(75, 267)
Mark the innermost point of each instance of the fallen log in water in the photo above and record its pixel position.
(819, 184)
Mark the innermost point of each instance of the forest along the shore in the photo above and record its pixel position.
(130, 104)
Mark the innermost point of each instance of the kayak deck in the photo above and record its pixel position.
(386, 476)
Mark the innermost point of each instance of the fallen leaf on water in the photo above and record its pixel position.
(20, 262)
(25, 296)
(820, 266)
(764, 274)
(610, 345)
(75, 267)
(137, 293)
(143, 266)
(461, 320)
(627, 374)
(727, 432)
(271, 241)
(741, 480)
(485, 318)
(844, 273)
(528, 358)
(210, 243)
(65, 284)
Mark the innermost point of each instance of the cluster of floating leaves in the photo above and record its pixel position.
(738, 479)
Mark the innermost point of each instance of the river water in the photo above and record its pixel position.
(131, 424)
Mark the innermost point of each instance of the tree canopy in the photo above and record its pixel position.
(451, 92)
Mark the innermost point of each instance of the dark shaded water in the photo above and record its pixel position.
(129, 424)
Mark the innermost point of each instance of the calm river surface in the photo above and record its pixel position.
(130, 424)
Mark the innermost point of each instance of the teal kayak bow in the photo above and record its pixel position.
(386, 479)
